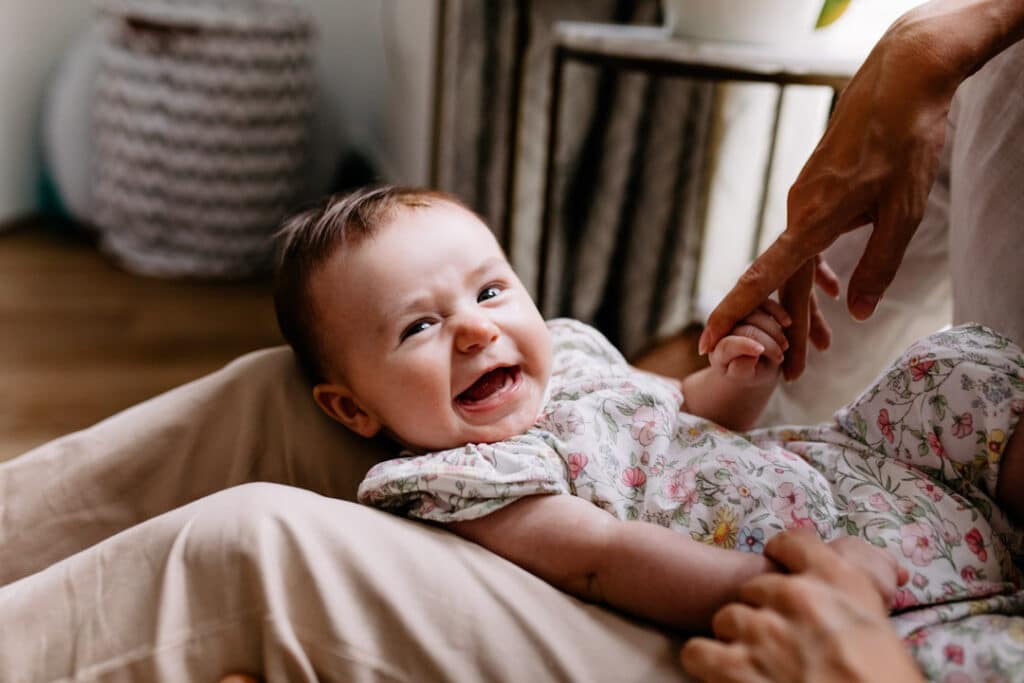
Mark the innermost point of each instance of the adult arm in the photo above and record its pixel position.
(826, 622)
(874, 164)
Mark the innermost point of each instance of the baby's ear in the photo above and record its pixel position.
(340, 404)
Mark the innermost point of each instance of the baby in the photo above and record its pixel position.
(410, 323)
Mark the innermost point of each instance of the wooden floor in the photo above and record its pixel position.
(81, 339)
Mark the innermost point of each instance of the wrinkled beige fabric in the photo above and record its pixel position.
(136, 551)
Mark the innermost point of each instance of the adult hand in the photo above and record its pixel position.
(825, 622)
(874, 164)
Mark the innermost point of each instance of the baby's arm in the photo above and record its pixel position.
(641, 568)
(744, 369)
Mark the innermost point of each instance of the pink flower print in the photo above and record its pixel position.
(567, 420)
(903, 598)
(878, 503)
(929, 489)
(919, 369)
(936, 445)
(906, 505)
(969, 574)
(954, 653)
(789, 501)
(950, 534)
(963, 425)
(804, 522)
(634, 477)
(682, 487)
(645, 419)
(918, 544)
(885, 425)
(976, 543)
(919, 580)
(645, 458)
(577, 461)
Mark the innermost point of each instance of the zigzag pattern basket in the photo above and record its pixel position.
(202, 122)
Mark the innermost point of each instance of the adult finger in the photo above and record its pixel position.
(882, 257)
(791, 595)
(800, 551)
(772, 640)
(765, 275)
(711, 661)
(775, 310)
(795, 297)
(825, 277)
(820, 332)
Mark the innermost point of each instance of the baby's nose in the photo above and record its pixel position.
(475, 334)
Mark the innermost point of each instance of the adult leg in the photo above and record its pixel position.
(253, 420)
(293, 586)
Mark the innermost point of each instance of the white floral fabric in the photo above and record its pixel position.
(910, 466)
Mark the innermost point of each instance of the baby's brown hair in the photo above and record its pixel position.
(309, 238)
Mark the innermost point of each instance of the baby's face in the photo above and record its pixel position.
(430, 335)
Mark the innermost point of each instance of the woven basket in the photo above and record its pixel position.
(202, 121)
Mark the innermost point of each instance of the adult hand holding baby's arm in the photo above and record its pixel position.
(826, 621)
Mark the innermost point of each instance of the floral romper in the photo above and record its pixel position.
(909, 466)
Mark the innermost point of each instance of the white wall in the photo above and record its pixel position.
(376, 65)
(377, 61)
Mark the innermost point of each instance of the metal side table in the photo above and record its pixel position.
(651, 50)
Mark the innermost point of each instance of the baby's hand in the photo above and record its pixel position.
(882, 568)
(755, 348)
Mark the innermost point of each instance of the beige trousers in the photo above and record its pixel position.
(136, 551)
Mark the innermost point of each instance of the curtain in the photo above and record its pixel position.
(631, 163)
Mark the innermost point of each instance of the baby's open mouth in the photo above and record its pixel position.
(491, 384)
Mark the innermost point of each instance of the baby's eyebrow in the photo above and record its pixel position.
(487, 264)
(415, 304)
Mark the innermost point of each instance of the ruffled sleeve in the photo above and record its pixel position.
(468, 482)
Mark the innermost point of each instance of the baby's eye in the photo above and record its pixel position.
(488, 292)
(415, 328)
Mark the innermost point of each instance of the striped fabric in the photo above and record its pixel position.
(201, 123)
(632, 163)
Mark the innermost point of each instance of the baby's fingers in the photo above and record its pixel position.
(733, 347)
(762, 329)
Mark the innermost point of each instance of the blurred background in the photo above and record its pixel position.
(148, 149)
